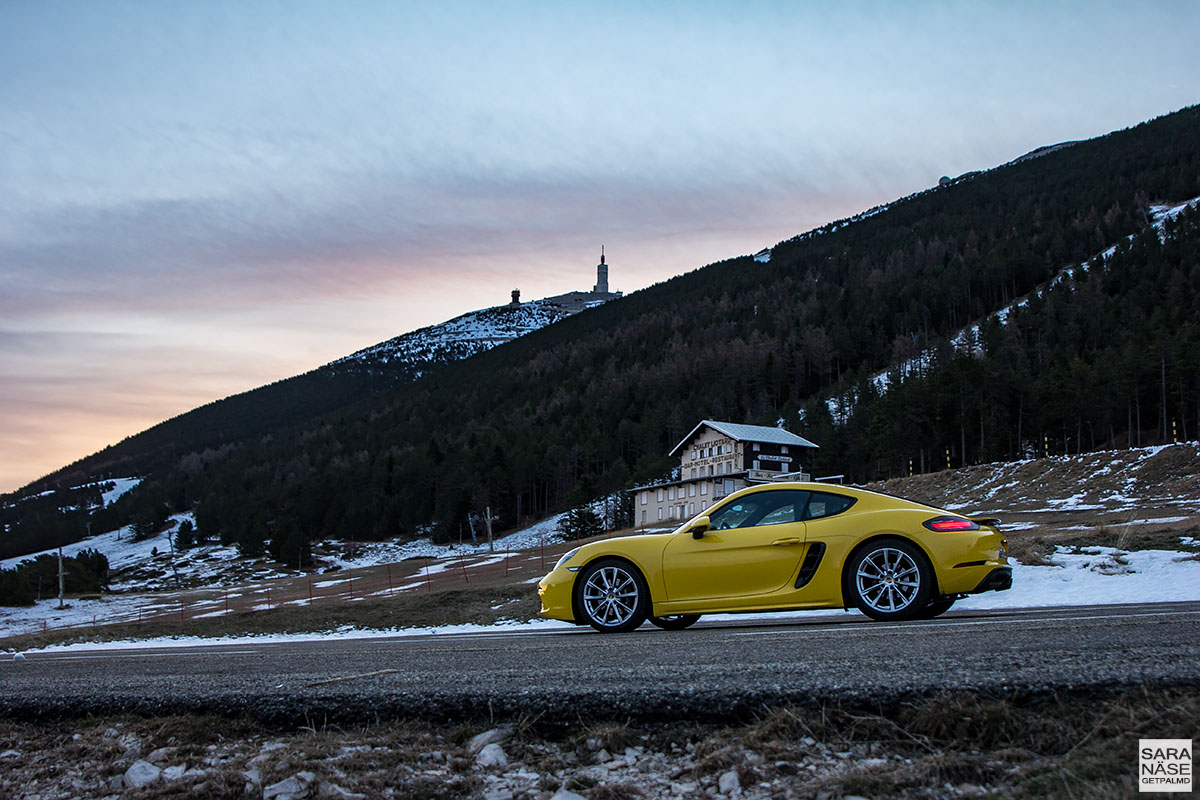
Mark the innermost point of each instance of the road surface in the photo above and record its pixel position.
(712, 671)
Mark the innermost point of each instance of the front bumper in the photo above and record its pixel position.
(554, 591)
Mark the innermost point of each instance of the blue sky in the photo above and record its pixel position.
(200, 198)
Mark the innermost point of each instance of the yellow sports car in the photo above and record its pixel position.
(782, 546)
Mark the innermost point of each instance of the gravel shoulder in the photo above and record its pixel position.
(946, 746)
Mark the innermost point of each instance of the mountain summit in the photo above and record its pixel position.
(411, 355)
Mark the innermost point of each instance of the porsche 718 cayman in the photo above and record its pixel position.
(782, 546)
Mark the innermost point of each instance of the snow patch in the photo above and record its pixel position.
(120, 487)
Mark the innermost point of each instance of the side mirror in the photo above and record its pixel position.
(699, 527)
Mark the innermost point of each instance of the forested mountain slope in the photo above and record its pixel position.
(594, 402)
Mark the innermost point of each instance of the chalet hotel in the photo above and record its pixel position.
(717, 459)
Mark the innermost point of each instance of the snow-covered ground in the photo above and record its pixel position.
(118, 546)
(460, 337)
(1087, 576)
(370, 553)
(536, 535)
(120, 487)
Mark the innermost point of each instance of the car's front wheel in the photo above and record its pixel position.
(613, 596)
(675, 622)
(890, 580)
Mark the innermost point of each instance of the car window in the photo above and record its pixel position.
(823, 504)
(760, 508)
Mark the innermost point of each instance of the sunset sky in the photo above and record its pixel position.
(198, 198)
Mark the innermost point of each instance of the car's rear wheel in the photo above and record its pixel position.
(675, 622)
(890, 579)
(936, 608)
(613, 596)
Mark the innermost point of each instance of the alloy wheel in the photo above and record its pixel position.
(610, 596)
(888, 580)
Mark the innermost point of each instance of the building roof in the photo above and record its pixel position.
(747, 433)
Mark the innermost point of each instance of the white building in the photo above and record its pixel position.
(717, 459)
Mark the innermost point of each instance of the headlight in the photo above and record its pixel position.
(567, 556)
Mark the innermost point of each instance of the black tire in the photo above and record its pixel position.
(889, 580)
(936, 608)
(675, 622)
(612, 596)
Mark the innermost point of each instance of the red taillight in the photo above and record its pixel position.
(950, 524)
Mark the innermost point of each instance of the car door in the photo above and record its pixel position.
(826, 527)
(753, 546)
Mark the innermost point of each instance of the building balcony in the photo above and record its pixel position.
(763, 476)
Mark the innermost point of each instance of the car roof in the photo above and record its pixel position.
(829, 488)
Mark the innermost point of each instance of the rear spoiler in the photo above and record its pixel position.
(991, 522)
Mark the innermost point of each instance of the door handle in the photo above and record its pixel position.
(788, 541)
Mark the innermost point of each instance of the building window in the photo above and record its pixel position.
(693, 472)
(643, 516)
(703, 489)
(728, 448)
(660, 497)
(691, 509)
(756, 447)
(757, 465)
(784, 450)
(645, 497)
(660, 514)
(671, 493)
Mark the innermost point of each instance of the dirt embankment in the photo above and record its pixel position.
(1150, 479)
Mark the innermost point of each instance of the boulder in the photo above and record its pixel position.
(729, 783)
(293, 788)
(491, 756)
(141, 773)
(494, 736)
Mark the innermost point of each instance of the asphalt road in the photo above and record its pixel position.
(715, 671)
